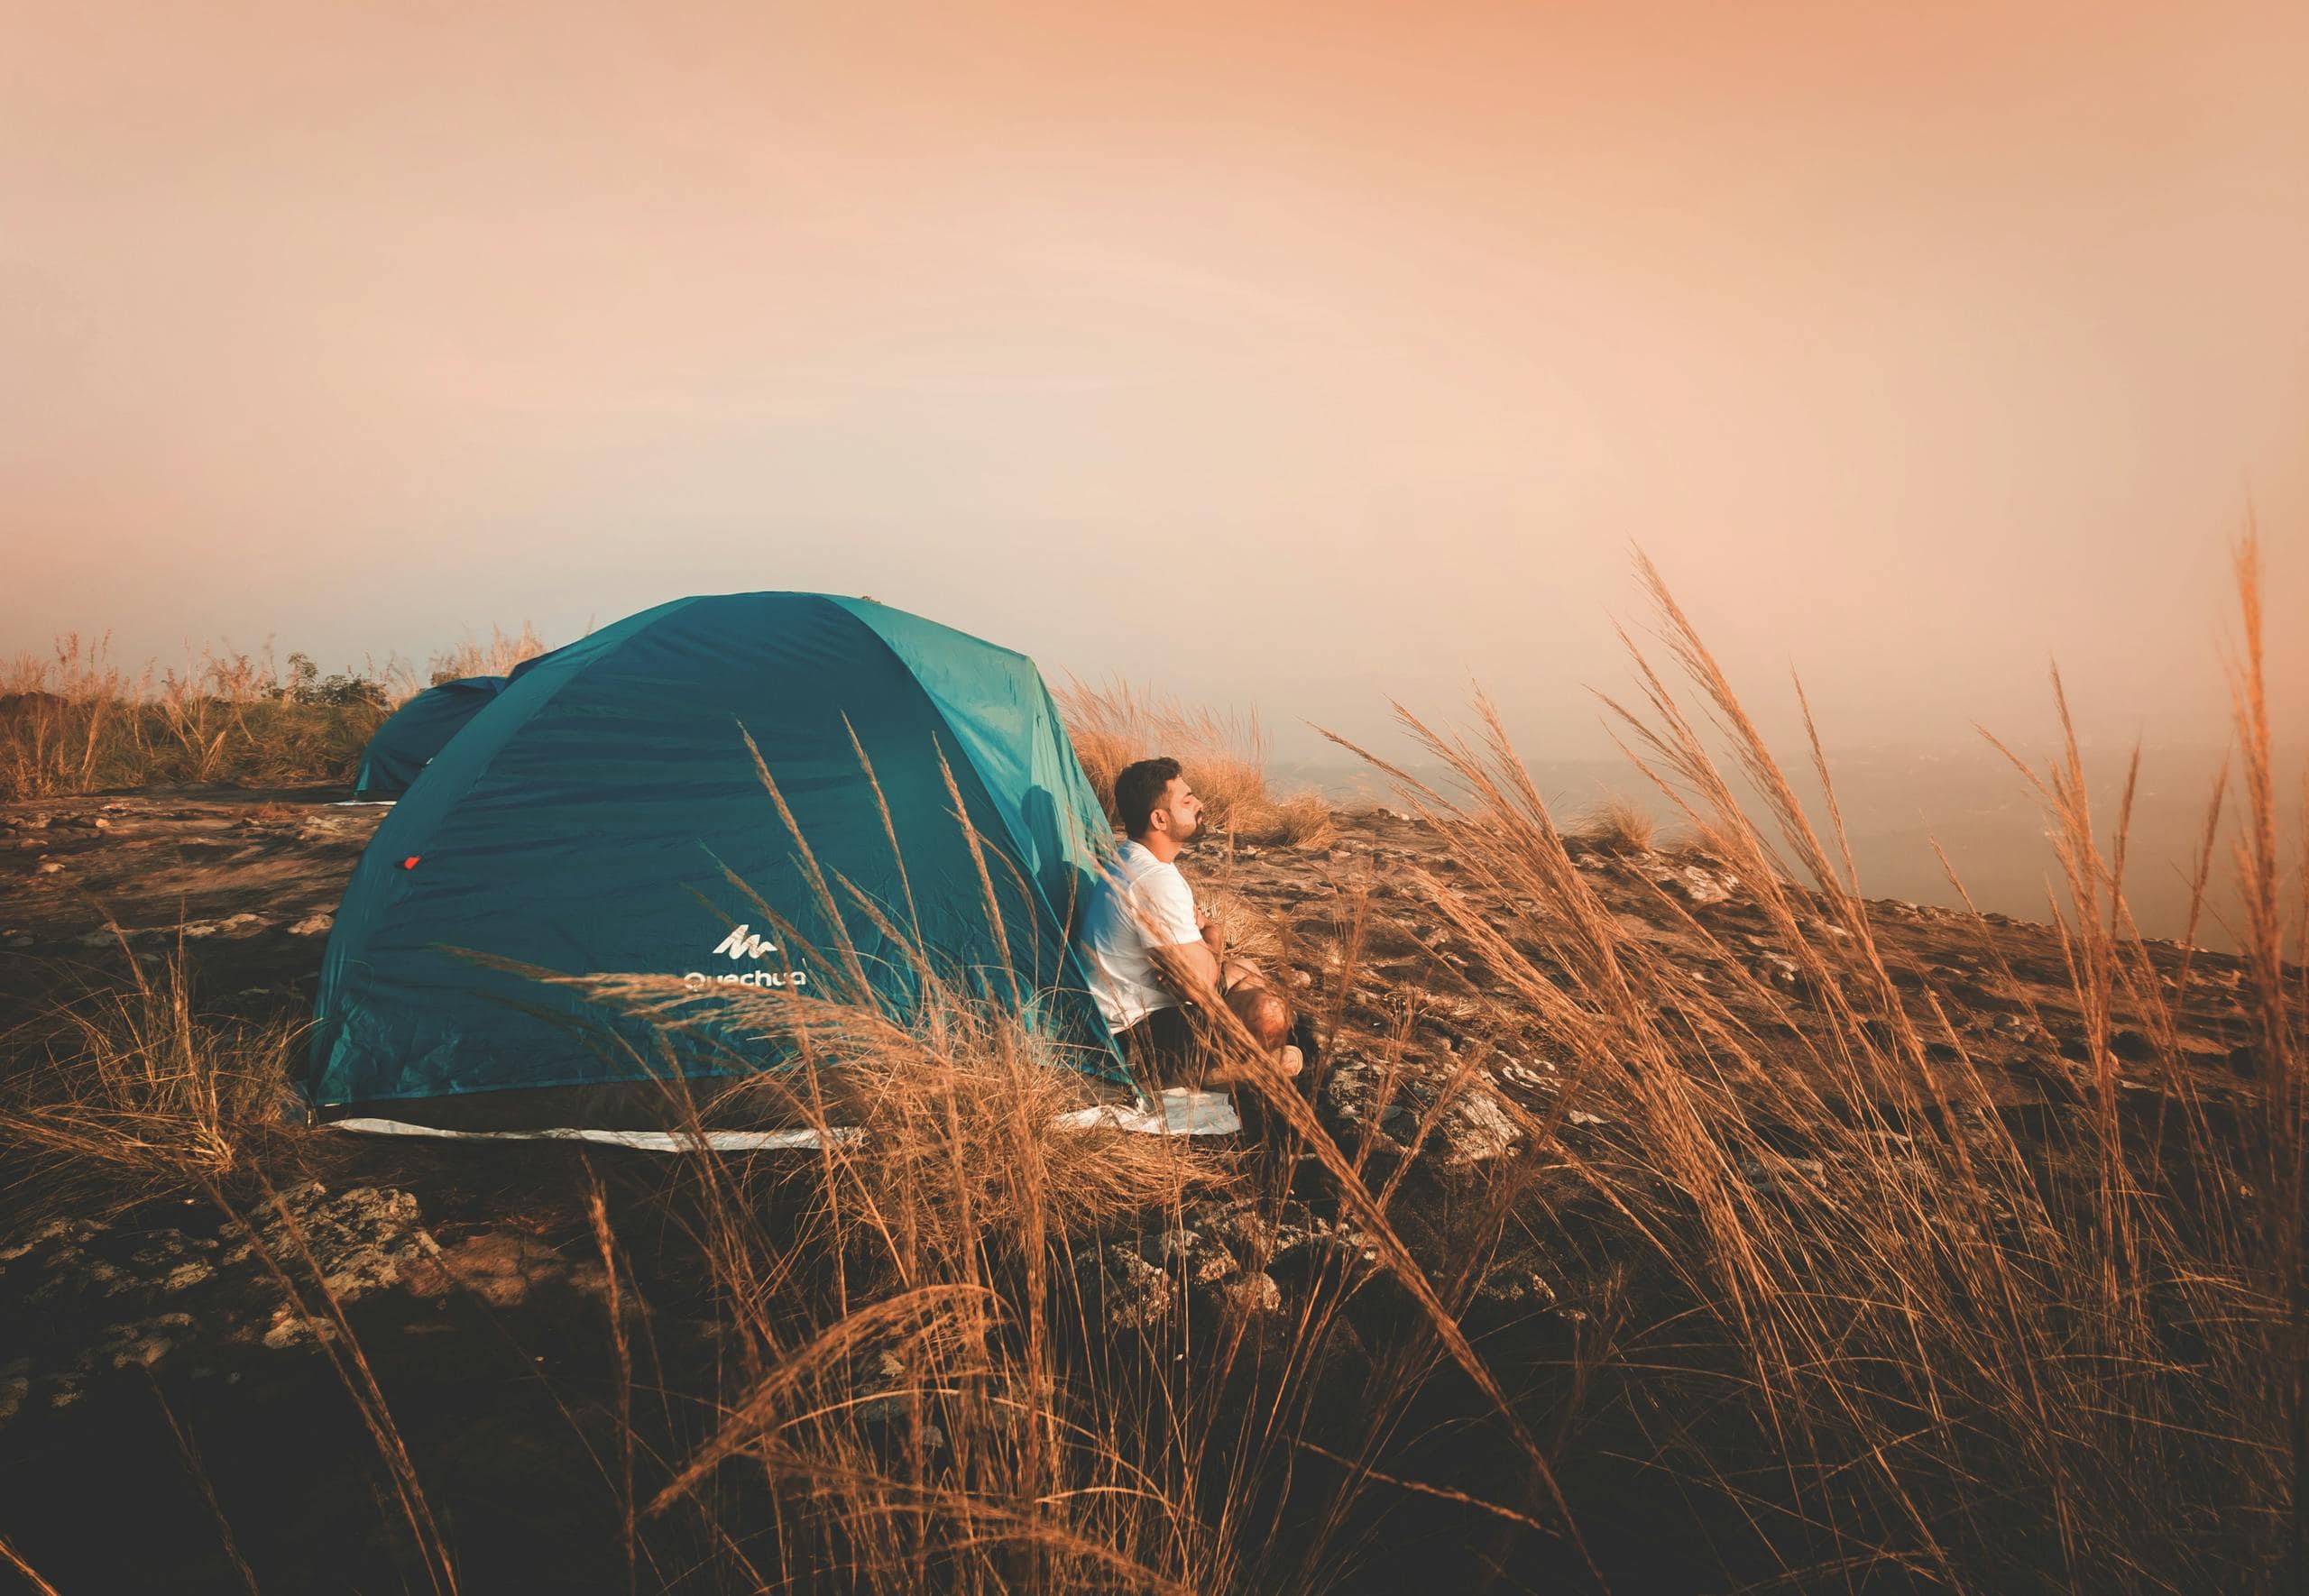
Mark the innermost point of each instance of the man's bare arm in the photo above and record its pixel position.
(1191, 969)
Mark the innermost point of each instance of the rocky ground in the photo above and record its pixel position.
(471, 1267)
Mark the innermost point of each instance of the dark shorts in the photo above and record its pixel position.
(1162, 1048)
(1163, 1051)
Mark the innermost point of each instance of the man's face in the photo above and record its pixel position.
(1183, 808)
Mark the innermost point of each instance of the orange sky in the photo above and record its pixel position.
(1302, 354)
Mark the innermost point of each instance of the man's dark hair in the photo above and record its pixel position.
(1138, 788)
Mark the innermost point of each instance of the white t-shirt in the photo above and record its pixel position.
(1144, 904)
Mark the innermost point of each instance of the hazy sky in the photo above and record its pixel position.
(1299, 354)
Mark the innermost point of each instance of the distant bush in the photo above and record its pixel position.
(75, 722)
(307, 685)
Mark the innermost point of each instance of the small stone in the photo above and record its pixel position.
(141, 1346)
(50, 868)
(188, 1273)
(1138, 1294)
(312, 925)
(68, 1233)
(1519, 1074)
(1253, 1294)
(290, 1328)
(1795, 1174)
(1473, 1127)
(1518, 1285)
(1704, 887)
(1477, 1129)
(17, 939)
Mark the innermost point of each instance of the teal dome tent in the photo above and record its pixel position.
(603, 815)
(418, 730)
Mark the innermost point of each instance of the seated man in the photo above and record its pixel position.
(1150, 949)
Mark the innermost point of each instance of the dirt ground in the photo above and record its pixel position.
(144, 1349)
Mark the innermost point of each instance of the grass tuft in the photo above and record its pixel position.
(1223, 755)
(495, 657)
(1620, 825)
(140, 1083)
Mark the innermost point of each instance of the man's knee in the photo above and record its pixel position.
(1264, 1014)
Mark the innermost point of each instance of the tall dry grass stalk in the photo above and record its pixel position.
(2281, 1051)
(139, 1080)
(927, 1393)
(902, 1414)
(133, 1091)
(1223, 755)
(1909, 1340)
(24, 1571)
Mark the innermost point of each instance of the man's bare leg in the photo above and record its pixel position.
(1264, 1014)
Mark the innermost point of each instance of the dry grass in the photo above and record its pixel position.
(495, 657)
(928, 1401)
(76, 721)
(936, 1131)
(1620, 825)
(1296, 820)
(1223, 755)
(1250, 933)
(1904, 1342)
(133, 1092)
(904, 1413)
(139, 1081)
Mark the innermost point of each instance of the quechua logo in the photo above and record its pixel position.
(739, 946)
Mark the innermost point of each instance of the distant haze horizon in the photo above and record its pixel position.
(1981, 812)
